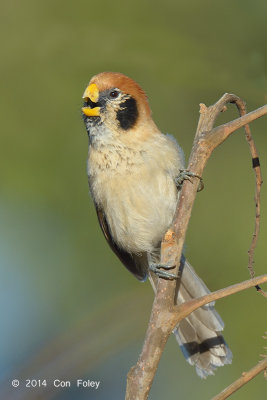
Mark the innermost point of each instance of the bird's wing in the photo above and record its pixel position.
(135, 263)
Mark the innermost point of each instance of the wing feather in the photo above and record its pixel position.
(135, 263)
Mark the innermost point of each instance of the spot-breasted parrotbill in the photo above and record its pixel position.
(132, 171)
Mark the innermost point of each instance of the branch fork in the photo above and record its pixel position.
(165, 314)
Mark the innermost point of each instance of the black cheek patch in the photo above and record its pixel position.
(128, 113)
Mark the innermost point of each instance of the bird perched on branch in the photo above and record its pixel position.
(132, 174)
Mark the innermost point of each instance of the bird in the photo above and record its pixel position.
(132, 174)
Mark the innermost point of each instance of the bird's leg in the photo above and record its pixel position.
(187, 175)
(162, 274)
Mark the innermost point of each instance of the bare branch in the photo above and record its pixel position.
(190, 306)
(221, 133)
(245, 378)
(258, 177)
(165, 314)
(161, 324)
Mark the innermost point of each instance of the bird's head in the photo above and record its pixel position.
(114, 104)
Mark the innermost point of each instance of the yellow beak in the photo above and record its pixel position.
(92, 93)
(91, 112)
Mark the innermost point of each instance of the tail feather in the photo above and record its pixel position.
(199, 335)
(206, 314)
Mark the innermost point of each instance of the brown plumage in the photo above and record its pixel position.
(132, 168)
(107, 80)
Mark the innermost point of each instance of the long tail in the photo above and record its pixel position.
(199, 335)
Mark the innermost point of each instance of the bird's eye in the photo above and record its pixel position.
(114, 94)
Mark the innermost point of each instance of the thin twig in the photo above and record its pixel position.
(165, 315)
(265, 356)
(259, 181)
(223, 131)
(245, 378)
(186, 308)
(161, 324)
(258, 178)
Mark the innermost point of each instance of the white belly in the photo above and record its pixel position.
(136, 191)
(139, 209)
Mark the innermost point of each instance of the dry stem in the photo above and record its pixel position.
(258, 178)
(245, 378)
(165, 314)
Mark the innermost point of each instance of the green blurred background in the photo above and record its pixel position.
(68, 308)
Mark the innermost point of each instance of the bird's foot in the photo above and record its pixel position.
(187, 175)
(162, 274)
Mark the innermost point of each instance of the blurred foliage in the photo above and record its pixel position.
(58, 276)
